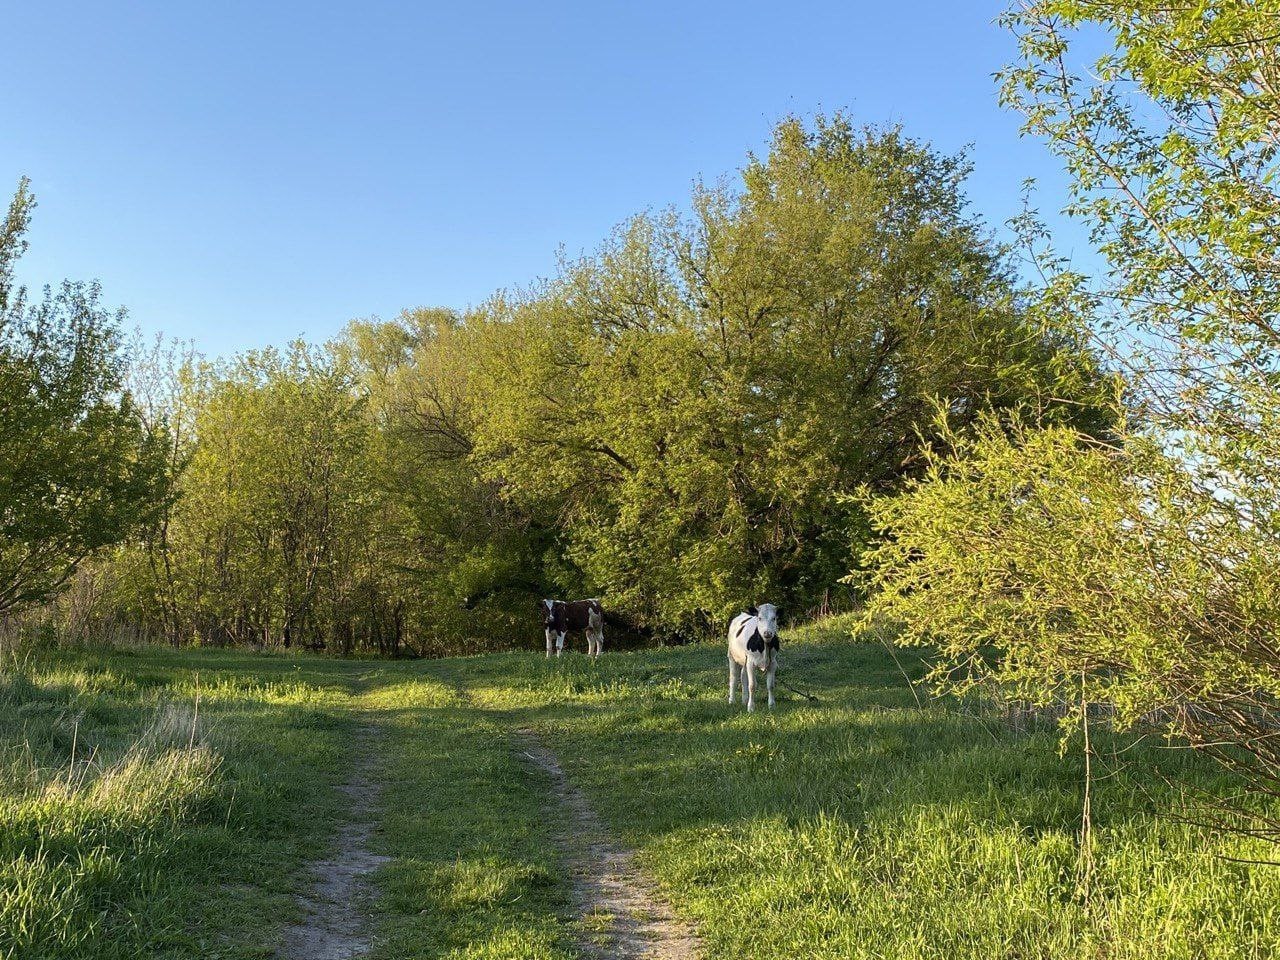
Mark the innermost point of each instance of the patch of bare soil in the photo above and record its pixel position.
(621, 913)
(333, 926)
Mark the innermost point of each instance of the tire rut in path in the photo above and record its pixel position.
(621, 913)
(333, 926)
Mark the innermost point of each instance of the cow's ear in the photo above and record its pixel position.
(752, 612)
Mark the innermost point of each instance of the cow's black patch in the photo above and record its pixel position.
(775, 644)
(755, 643)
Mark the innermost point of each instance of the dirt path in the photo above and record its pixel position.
(333, 926)
(622, 915)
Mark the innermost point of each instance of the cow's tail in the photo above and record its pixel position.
(595, 617)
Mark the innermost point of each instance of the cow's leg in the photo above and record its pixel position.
(595, 630)
(551, 639)
(769, 682)
(733, 679)
(559, 644)
(751, 686)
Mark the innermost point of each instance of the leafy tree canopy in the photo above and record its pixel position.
(78, 469)
(696, 398)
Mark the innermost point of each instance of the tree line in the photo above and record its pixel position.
(678, 422)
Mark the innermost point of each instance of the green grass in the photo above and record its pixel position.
(475, 873)
(179, 829)
(863, 825)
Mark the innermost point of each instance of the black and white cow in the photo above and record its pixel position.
(561, 616)
(753, 645)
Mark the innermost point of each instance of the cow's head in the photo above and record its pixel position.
(547, 611)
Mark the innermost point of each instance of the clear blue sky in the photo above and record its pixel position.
(243, 173)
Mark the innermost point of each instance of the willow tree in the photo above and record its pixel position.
(698, 398)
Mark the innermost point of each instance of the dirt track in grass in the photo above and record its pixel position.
(621, 914)
(333, 926)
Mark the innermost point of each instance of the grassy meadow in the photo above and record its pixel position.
(164, 804)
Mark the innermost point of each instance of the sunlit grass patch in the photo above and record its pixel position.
(74, 835)
(153, 804)
(511, 943)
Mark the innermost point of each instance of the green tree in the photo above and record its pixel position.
(326, 497)
(465, 561)
(264, 542)
(696, 399)
(79, 471)
(1142, 572)
(1171, 144)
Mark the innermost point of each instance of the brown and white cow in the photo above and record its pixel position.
(561, 616)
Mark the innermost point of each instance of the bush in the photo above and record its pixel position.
(1097, 574)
